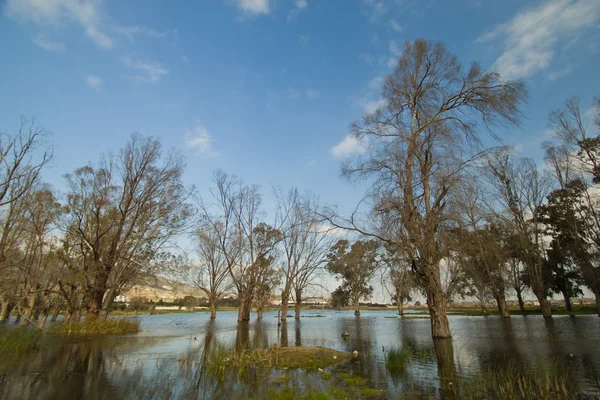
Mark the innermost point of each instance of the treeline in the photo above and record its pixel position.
(446, 214)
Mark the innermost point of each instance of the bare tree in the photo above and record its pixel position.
(305, 243)
(397, 277)
(520, 191)
(120, 215)
(419, 145)
(209, 273)
(245, 241)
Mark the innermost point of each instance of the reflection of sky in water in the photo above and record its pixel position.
(151, 357)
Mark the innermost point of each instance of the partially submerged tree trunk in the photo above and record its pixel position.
(285, 298)
(5, 310)
(446, 368)
(245, 307)
(520, 299)
(356, 306)
(544, 303)
(567, 301)
(597, 296)
(298, 303)
(502, 306)
(31, 303)
(436, 302)
(400, 305)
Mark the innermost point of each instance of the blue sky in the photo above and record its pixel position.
(266, 89)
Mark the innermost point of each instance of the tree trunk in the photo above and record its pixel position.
(597, 296)
(18, 318)
(436, 302)
(544, 304)
(245, 307)
(567, 302)
(94, 304)
(357, 307)
(285, 297)
(5, 310)
(400, 305)
(31, 302)
(298, 303)
(213, 309)
(259, 312)
(55, 313)
(502, 306)
(42, 321)
(520, 299)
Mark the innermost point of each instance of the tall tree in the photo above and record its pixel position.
(576, 166)
(119, 216)
(520, 190)
(305, 243)
(355, 265)
(420, 142)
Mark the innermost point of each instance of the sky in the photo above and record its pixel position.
(267, 89)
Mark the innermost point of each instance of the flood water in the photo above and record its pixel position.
(165, 360)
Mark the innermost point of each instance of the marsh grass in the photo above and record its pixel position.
(18, 340)
(109, 326)
(510, 381)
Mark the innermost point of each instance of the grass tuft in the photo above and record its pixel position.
(18, 340)
(97, 326)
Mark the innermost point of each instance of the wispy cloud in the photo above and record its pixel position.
(372, 105)
(299, 5)
(531, 37)
(374, 9)
(304, 40)
(396, 26)
(199, 139)
(149, 71)
(552, 76)
(54, 13)
(130, 32)
(367, 58)
(47, 44)
(94, 81)
(185, 59)
(349, 146)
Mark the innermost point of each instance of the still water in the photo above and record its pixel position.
(165, 360)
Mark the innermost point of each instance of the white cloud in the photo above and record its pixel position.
(349, 146)
(254, 7)
(531, 36)
(185, 59)
(150, 71)
(94, 81)
(47, 44)
(560, 73)
(376, 83)
(299, 5)
(312, 94)
(372, 105)
(304, 40)
(138, 30)
(374, 9)
(199, 139)
(396, 26)
(54, 13)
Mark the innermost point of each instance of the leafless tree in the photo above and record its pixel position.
(119, 217)
(419, 145)
(305, 243)
(209, 273)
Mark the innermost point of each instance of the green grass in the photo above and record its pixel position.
(546, 381)
(97, 326)
(18, 340)
(397, 359)
(556, 310)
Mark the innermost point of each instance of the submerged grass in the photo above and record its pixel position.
(222, 360)
(97, 327)
(18, 340)
(547, 381)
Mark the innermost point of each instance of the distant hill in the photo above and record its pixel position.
(157, 288)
